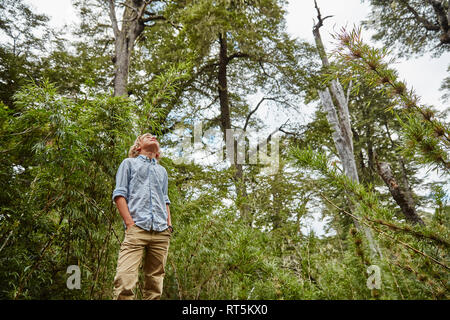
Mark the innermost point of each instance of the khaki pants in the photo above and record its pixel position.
(138, 241)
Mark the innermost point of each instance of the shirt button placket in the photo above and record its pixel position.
(152, 169)
(151, 209)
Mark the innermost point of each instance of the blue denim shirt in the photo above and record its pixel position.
(144, 183)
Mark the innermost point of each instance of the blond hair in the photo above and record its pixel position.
(134, 152)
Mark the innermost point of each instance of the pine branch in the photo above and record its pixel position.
(424, 133)
(385, 234)
(409, 230)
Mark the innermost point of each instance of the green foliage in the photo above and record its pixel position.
(62, 139)
(216, 257)
(412, 26)
(59, 168)
(262, 58)
(421, 251)
(24, 35)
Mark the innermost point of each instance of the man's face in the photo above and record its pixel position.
(150, 143)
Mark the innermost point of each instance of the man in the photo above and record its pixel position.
(142, 200)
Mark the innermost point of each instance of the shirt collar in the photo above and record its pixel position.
(145, 158)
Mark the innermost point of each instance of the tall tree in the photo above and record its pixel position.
(25, 35)
(239, 50)
(376, 141)
(413, 27)
(336, 104)
(127, 21)
(137, 15)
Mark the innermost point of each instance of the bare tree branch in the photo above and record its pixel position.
(264, 143)
(130, 7)
(427, 24)
(252, 112)
(112, 16)
(154, 17)
(237, 55)
(319, 17)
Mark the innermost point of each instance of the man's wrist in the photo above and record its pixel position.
(170, 228)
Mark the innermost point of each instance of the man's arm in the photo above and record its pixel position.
(169, 222)
(165, 188)
(122, 205)
(120, 193)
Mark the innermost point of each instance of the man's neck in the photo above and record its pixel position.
(148, 154)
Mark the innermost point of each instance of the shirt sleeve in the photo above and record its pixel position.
(122, 180)
(165, 187)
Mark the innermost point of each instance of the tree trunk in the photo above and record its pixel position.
(121, 67)
(443, 17)
(402, 196)
(124, 40)
(277, 205)
(339, 119)
(225, 121)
